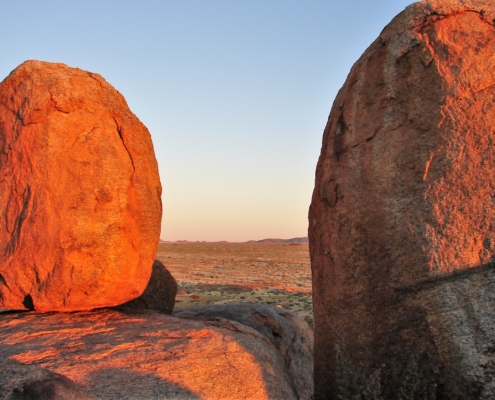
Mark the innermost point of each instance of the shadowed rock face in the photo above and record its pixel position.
(160, 293)
(401, 221)
(129, 354)
(28, 382)
(80, 204)
(290, 335)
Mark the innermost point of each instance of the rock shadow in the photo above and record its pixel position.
(124, 384)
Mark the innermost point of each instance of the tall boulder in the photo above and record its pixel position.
(401, 224)
(80, 204)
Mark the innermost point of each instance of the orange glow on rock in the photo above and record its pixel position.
(80, 205)
(114, 353)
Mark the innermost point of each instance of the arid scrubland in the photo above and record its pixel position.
(221, 273)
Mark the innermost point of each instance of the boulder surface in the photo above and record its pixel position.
(290, 335)
(28, 382)
(80, 205)
(401, 224)
(129, 354)
(160, 293)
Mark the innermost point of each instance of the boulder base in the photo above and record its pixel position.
(160, 293)
(290, 335)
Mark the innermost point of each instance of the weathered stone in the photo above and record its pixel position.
(28, 382)
(80, 204)
(290, 335)
(401, 223)
(129, 354)
(160, 293)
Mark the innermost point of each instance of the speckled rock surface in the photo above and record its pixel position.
(401, 223)
(130, 354)
(28, 382)
(80, 206)
(290, 335)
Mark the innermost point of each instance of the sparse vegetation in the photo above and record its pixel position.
(269, 273)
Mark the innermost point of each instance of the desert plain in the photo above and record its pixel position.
(222, 272)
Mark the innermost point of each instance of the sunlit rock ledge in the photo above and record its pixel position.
(124, 354)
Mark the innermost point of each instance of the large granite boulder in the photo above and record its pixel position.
(129, 354)
(80, 206)
(160, 293)
(401, 224)
(290, 335)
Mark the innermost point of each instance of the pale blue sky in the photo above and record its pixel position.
(236, 94)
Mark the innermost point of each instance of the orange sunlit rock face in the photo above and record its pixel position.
(80, 204)
(401, 223)
(290, 335)
(146, 355)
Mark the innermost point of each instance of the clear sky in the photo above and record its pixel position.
(235, 93)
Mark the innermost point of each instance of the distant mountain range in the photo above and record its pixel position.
(293, 240)
(299, 240)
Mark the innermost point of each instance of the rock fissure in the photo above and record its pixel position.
(15, 233)
(125, 146)
(345, 149)
(3, 281)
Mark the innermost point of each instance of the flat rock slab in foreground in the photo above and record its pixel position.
(126, 354)
(290, 335)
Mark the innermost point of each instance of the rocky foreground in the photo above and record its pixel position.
(129, 354)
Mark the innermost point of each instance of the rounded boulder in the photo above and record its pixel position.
(80, 205)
